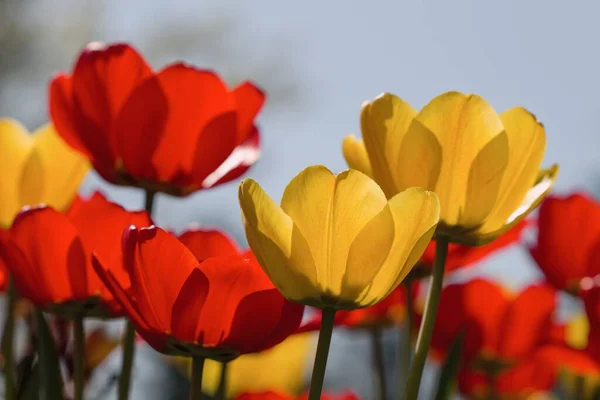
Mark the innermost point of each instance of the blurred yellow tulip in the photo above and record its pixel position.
(484, 166)
(36, 168)
(336, 241)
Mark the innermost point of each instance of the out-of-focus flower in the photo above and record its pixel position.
(483, 166)
(219, 308)
(499, 328)
(49, 254)
(568, 243)
(176, 131)
(590, 294)
(336, 241)
(460, 255)
(98, 345)
(278, 396)
(280, 368)
(36, 168)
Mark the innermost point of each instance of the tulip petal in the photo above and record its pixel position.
(149, 254)
(356, 156)
(415, 214)
(462, 126)
(52, 172)
(249, 99)
(278, 244)
(384, 123)
(15, 146)
(187, 308)
(527, 143)
(208, 243)
(330, 211)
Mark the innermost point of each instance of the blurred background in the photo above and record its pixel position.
(318, 61)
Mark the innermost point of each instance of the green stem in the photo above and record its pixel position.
(426, 330)
(79, 357)
(318, 374)
(196, 383)
(405, 340)
(149, 202)
(7, 342)
(222, 389)
(127, 363)
(378, 364)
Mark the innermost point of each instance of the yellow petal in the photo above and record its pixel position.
(330, 211)
(15, 145)
(356, 156)
(416, 213)
(462, 126)
(52, 172)
(527, 143)
(278, 245)
(384, 122)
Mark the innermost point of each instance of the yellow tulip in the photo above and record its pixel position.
(484, 166)
(336, 241)
(36, 168)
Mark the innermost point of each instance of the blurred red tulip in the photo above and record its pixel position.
(460, 256)
(499, 328)
(590, 294)
(218, 308)
(49, 254)
(177, 130)
(3, 275)
(278, 396)
(568, 236)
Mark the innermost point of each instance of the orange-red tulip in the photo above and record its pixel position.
(49, 254)
(217, 308)
(177, 130)
(278, 396)
(568, 236)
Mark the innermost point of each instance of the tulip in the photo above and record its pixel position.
(483, 166)
(36, 168)
(218, 308)
(336, 242)
(568, 241)
(176, 131)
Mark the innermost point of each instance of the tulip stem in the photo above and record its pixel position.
(405, 340)
(426, 330)
(378, 364)
(196, 383)
(127, 363)
(7, 342)
(79, 356)
(222, 389)
(318, 374)
(149, 202)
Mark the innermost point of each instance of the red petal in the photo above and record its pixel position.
(568, 230)
(526, 322)
(52, 246)
(249, 100)
(188, 307)
(158, 265)
(289, 321)
(263, 396)
(208, 243)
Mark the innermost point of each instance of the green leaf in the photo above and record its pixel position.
(50, 378)
(447, 379)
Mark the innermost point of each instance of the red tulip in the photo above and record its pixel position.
(568, 236)
(208, 243)
(460, 256)
(177, 130)
(279, 396)
(499, 328)
(218, 308)
(49, 254)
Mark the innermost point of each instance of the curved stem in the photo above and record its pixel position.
(196, 382)
(405, 340)
(79, 356)
(127, 364)
(378, 363)
(426, 330)
(222, 389)
(318, 374)
(8, 341)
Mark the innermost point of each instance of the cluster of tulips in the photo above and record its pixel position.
(427, 192)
